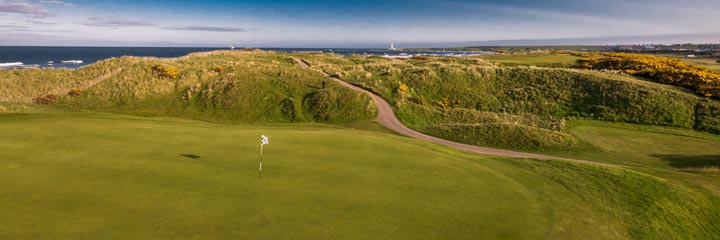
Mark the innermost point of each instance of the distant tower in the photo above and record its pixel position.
(392, 46)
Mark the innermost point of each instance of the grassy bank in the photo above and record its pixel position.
(470, 100)
(224, 86)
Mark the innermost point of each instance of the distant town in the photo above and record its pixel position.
(697, 50)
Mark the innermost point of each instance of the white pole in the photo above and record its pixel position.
(261, 147)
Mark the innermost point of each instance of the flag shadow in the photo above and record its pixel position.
(199, 158)
(191, 156)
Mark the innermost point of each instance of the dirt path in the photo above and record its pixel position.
(386, 117)
(100, 79)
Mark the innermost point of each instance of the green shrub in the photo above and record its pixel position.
(707, 116)
(333, 106)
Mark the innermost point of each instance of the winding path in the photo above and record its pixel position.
(386, 117)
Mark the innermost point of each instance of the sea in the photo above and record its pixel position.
(76, 57)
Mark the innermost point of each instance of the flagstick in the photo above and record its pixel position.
(261, 147)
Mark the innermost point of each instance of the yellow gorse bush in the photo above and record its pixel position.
(658, 69)
(218, 69)
(75, 92)
(402, 88)
(447, 103)
(165, 72)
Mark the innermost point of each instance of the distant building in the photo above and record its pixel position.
(392, 46)
(691, 55)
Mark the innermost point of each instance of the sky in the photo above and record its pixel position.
(355, 23)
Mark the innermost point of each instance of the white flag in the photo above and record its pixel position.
(264, 140)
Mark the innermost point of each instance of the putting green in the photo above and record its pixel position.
(88, 176)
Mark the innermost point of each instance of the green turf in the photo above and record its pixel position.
(87, 175)
(101, 176)
(709, 63)
(683, 156)
(650, 146)
(533, 59)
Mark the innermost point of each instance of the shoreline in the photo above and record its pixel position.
(77, 57)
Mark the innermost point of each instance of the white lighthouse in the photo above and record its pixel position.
(392, 46)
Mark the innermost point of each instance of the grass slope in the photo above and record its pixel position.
(472, 101)
(650, 146)
(220, 86)
(90, 176)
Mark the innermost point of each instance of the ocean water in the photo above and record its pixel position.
(75, 57)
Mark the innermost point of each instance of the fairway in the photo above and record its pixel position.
(533, 59)
(337, 120)
(128, 178)
(90, 176)
(132, 157)
(709, 63)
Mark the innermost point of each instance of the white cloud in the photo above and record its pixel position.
(25, 8)
(432, 21)
(116, 22)
(36, 22)
(57, 2)
(209, 29)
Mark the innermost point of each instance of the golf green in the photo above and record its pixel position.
(102, 176)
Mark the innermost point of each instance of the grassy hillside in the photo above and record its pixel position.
(90, 176)
(76, 169)
(469, 100)
(663, 70)
(224, 86)
(22, 85)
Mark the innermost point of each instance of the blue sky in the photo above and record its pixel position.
(349, 23)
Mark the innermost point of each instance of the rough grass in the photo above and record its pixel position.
(221, 86)
(499, 103)
(89, 176)
(21, 85)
